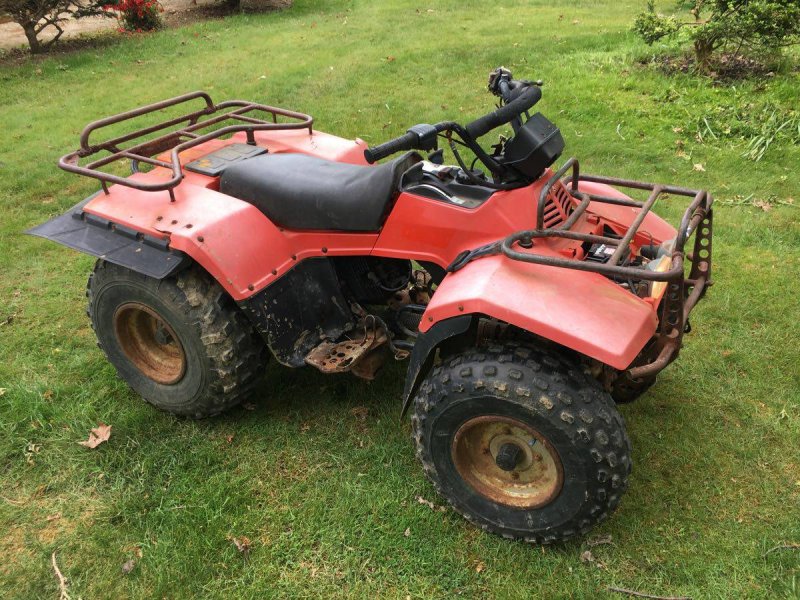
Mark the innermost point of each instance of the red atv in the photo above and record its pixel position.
(527, 300)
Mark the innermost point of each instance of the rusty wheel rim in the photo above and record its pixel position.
(536, 477)
(149, 343)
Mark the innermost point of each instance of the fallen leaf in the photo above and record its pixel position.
(54, 517)
(699, 167)
(390, 59)
(407, 532)
(677, 129)
(3, 391)
(242, 544)
(427, 503)
(128, 565)
(360, 412)
(97, 436)
(480, 567)
(587, 556)
(765, 206)
(47, 394)
(229, 438)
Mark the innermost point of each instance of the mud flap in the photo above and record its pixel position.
(300, 310)
(113, 242)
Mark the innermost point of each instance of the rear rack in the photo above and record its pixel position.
(682, 293)
(190, 124)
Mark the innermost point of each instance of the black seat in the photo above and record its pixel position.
(298, 191)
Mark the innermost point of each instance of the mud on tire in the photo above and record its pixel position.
(531, 395)
(181, 342)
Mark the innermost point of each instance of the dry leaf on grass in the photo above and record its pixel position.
(427, 503)
(587, 556)
(242, 544)
(97, 436)
(3, 391)
(360, 412)
(480, 567)
(765, 206)
(127, 566)
(407, 532)
(699, 167)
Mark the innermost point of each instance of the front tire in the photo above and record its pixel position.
(521, 442)
(181, 343)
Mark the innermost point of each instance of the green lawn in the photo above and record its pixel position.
(329, 496)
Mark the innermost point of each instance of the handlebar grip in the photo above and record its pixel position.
(406, 141)
(504, 114)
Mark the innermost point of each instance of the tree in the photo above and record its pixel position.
(37, 16)
(754, 26)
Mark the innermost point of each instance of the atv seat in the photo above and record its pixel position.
(298, 191)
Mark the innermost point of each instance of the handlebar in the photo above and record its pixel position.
(504, 114)
(398, 144)
(419, 137)
(423, 137)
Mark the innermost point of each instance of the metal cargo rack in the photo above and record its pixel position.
(190, 126)
(682, 292)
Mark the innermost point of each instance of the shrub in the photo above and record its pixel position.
(138, 15)
(738, 26)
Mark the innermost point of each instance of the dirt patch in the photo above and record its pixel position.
(725, 67)
(14, 549)
(176, 14)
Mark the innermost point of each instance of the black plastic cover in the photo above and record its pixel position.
(534, 147)
(214, 163)
(112, 242)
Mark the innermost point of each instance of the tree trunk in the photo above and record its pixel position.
(33, 40)
(703, 49)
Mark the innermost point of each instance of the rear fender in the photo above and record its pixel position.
(583, 311)
(231, 239)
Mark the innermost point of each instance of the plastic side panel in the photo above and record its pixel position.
(582, 311)
(624, 215)
(231, 239)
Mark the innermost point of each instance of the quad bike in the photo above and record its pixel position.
(526, 300)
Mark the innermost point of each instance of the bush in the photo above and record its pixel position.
(139, 15)
(738, 26)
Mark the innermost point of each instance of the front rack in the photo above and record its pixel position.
(190, 124)
(682, 293)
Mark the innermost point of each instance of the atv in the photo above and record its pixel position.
(527, 300)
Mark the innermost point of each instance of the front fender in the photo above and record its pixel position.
(579, 310)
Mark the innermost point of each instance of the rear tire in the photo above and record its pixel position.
(181, 343)
(521, 442)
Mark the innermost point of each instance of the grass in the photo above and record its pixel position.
(324, 493)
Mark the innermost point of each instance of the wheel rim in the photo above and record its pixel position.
(529, 473)
(149, 343)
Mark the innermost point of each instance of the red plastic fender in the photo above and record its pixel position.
(240, 247)
(582, 311)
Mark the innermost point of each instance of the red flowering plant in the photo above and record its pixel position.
(138, 15)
